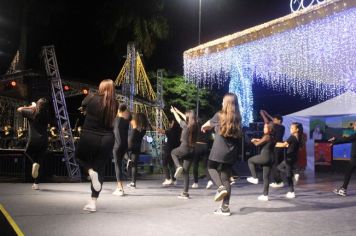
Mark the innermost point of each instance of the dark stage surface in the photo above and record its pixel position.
(155, 210)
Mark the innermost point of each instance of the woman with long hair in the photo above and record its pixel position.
(172, 134)
(292, 144)
(121, 130)
(37, 116)
(139, 125)
(227, 124)
(185, 151)
(265, 158)
(97, 137)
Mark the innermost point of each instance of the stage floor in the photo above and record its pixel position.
(154, 210)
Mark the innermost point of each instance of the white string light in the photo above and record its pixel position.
(313, 60)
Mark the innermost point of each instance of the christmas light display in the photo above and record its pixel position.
(317, 59)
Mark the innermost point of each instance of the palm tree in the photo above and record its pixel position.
(134, 20)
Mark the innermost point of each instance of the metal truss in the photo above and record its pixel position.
(59, 103)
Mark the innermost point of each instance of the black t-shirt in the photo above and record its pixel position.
(173, 136)
(135, 140)
(184, 138)
(94, 115)
(293, 146)
(278, 132)
(121, 130)
(37, 126)
(224, 149)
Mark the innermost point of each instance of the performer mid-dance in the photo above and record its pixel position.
(227, 124)
(352, 164)
(292, 144)
(265, 158)
(97, 137)
(185, 151)
(37, 116)
(121, 129)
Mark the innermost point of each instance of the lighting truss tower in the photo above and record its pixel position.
(59, 103)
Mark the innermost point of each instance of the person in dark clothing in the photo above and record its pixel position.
(36, 147)
(223, 154)
(172, 134)
(278, 156)
(342, 191)
(97, 137)
(265, 158)
(292, 144)
(185, 151)
(121, 130)
(139, 125)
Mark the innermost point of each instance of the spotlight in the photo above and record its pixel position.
(13, 83)
(85, 91)
(66, 87)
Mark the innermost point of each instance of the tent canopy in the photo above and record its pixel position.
(343, 104)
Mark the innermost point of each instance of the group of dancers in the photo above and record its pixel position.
(106, 131)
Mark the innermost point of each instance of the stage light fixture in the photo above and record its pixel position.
(13, 83)
(66, 87)
(85, 91)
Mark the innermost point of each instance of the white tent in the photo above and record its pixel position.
(342, 105)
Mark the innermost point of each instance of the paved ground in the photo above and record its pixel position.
(154, 210)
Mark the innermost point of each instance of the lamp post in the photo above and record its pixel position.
(199, 32)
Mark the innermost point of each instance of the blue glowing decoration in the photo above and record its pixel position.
(317, 59)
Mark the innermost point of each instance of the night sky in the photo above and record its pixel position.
(72, 27)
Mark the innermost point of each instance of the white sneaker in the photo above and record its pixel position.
(263, 198)
(35, 187)
(95, 180)
(252, 180)
(167, 182)
(131, 185)
(91, 206)
(175, 182)
(35, 167)
(195, 185)
(178, 172)
(295, 179)
(290, 195)
(209, 184)
(118, 192)
(275, 185)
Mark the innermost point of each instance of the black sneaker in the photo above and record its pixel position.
(131, 185)
(223, 211)
(220, 194)
(340, 191)
(184, 195)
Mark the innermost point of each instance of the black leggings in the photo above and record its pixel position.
(221, 177)
(134, 157)
(265, 161)
(200, 153)
(349, 171)
(36, 153)
(278, 158)
(168, 164)
(93, 152)
(119, 153)
(287, 167)
(186, 154)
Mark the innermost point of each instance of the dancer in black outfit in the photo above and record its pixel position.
(97, 137)
(278, 156)
(185, 151)
(121, 130)
(172, 134)
(292, 144)
(37, 116)
(265, 158)
(227, 124)
(139, 125)
(352, 164)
